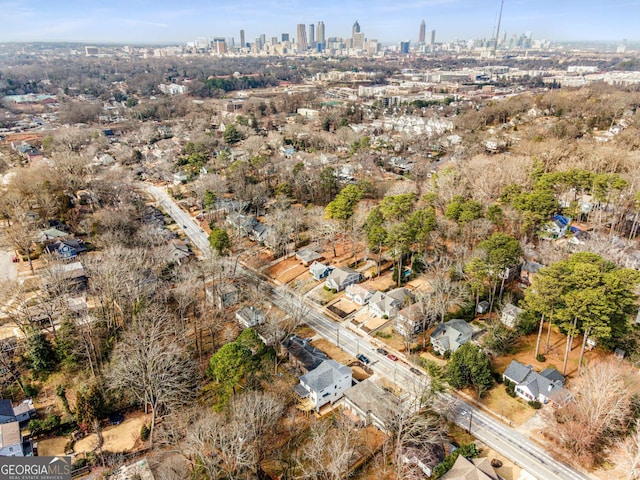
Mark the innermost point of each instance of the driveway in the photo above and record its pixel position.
(8, 269)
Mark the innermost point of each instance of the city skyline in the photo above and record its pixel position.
(144, 21)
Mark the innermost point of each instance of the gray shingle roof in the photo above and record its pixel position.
(326, 374)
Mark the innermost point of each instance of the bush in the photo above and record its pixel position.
(541, 358)
(145, 431)
(468, 450)
(37, 427)
(78, 464)
(535, 404)
(510, 388)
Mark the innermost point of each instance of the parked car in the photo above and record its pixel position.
(363, 359)
(381, 351)
(391, 356)
(415, 371)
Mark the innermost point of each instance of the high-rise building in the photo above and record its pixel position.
(404, 47)
(433, 38)
(355, 29)
(423, 31)
(274, 40)
(285, 37)
(358, 41)
(312, 34)
(320, 38)
(302, 37)
(219, 45)
(242, 44)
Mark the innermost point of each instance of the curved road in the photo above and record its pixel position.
(505, 440)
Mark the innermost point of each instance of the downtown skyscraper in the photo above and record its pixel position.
(423, 32)
(320, 38)
(302, 37)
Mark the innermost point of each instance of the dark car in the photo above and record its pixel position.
(381, 351)
(415, 371)
(391, 356)
(363, 359)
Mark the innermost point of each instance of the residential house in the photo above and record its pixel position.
(528, 271)
(341, 277)
(307, 256)
(383, 305)
(50, 234)
(510, 315)
(324, 384)
(542, 387)
(401, 163)
(319, 270)
(180, 177)
(224, 295)
(258, 231)
(24, 411)
(243, 225)
(176, 252)
(250, 316)
(410, 320)
(358, 294)
(474, 469)
(424, 457)
(302, 354)
(556, 228)
(66, 248)
(11, 440)
(483, 307)
(6, 412)
(371, 404)
(139, 470)
(451, 335)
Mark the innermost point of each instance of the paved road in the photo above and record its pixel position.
(505, 440)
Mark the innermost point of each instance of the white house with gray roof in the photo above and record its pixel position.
(387, 304)
(533, 386)
(450, 336)
(341, 277)
(325, 384)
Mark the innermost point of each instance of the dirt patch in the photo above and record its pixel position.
(51, 447)
(342, 307)
(333, 351)
(374, 323)
(390, 338)
(359, 373)
(383, 282)
(321, 296)
(123, 437)
(275, 271)
(420, 284)
(86, 444)
(305, 331)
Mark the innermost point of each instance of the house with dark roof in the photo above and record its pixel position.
(66, 248)
(6, 412)
(324, 384)
(528, 271)
(451, 335)
(533, 386)
(302, 354)
(423, 457)
(556, 228)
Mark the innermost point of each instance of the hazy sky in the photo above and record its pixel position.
(161, 21)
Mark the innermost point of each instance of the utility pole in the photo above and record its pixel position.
(338, 336)
(470, 420)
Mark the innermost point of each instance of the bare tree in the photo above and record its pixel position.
(152, 367)
(599, 413)
(629, 455)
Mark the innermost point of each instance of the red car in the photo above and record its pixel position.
(391, 356)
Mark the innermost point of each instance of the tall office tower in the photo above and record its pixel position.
(263, 38)
(355, 29)
(320, 38)
(433, 38)
(274, 40)
(404, 47)
(285, 37)
(423, 31)
(242, 44)
(219, 46)
(302, 37)
(312, 34)
(358, 41)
